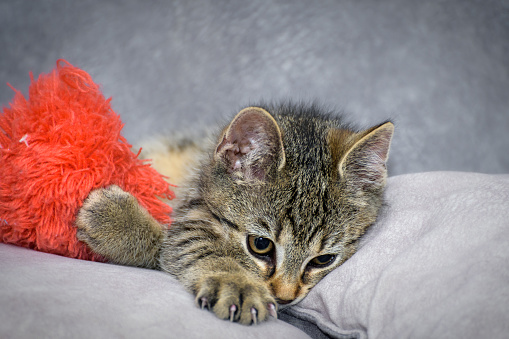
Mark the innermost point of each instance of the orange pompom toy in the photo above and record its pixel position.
(55, 148)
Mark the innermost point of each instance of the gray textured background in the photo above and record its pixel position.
(439, 69)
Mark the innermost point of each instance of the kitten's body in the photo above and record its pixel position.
(278, 201)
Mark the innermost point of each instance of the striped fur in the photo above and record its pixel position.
(287, 179)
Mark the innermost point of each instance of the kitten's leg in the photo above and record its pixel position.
(115, 226)
(230, 291)
(198, 252)
(209, 263)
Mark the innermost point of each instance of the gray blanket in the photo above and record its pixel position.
(435, 265)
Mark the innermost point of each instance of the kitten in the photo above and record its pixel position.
(278, 201)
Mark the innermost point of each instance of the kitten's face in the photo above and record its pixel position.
(295, 195)
(294, 233)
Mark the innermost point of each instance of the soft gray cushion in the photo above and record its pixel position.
(48, 296)
(435, 265)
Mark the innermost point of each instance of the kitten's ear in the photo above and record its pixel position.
(364, 164)
(251, 146)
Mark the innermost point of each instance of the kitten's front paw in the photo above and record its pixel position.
(237, 298)
(98, 219)
(114, 225)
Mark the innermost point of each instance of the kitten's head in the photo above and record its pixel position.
(299, 189)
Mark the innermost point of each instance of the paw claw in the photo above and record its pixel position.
(272, 310)
(254, 316)
(233, 308)
(204, 303)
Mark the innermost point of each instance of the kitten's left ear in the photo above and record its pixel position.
(251, 146)
(364, 164)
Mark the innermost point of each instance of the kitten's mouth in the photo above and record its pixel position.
(283, 302)
(286, 303)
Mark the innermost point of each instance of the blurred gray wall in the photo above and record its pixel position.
(439, 69)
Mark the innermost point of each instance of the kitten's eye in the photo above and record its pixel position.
(260, 245)
(322, 260)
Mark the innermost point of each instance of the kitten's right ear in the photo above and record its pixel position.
(364, 164)
(251, 146)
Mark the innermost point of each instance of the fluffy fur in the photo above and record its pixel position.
(55, 148)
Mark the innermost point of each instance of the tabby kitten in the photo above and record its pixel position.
(279, 200)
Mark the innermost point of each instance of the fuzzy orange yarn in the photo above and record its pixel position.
(55, 148)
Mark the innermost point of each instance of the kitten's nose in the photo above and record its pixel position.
(284, 291)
